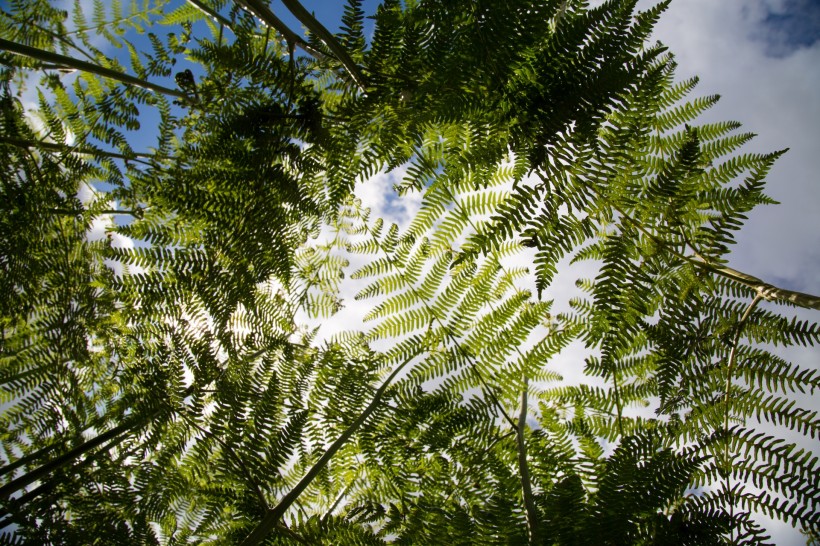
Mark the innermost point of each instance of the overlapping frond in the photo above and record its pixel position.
(164, 371)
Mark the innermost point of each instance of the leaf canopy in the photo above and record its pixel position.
(183, 217)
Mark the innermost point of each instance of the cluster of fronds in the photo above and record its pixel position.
(163, 383)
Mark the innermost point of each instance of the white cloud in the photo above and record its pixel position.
(102, 227)
(378, 194)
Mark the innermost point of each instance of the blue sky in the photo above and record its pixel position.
(328, 12)
(790, 26)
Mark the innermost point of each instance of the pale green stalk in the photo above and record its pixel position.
(271, 519)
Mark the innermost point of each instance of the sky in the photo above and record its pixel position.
(763, 58)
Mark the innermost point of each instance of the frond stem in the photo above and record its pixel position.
(764, 289)
(27, 459)
(65, 459)
(727, 473)
(524, 469)
(338, 500)
(208, 11)
(91, 68)
(115, 434)
(314, 26)
(55, 147)
(486, 387)
(618, 404)
(45, 487)
(264, 13)
(115, 21)
(136, 213)
(273, 515)
(61, 38)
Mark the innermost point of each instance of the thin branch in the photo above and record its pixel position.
(766, 290)
(618, 405)
(31, 457)
(65, 459)
(208, 11)
(55, 147)
(56, 58)
(314, 26)
(264, 13)
(524, 469)
(45, 487)
(273, 516)
(63, 38)
(260, 10)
